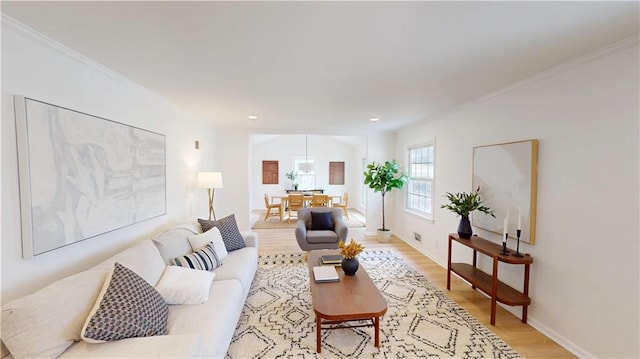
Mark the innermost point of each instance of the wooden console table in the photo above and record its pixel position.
(498, 291)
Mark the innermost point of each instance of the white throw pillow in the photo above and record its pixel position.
(212, 235)
(179, 285)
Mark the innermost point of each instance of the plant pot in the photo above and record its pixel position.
(464, 228)
(384, 235)
(350, 266)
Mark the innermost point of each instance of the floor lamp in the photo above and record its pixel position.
(210, 181)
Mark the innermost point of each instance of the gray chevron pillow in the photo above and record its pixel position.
(129, 307)
(228, 229)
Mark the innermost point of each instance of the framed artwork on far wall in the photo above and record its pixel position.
(507, 176)
(336, 173)
(269, 172)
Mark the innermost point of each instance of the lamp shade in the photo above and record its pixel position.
(305, 166)
(209, 180)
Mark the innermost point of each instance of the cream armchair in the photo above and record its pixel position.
(320, 228)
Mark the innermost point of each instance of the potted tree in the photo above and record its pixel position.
(384, 178)
(462, 204)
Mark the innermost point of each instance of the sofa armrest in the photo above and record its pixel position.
(301, 233)
(250, 238)
(342, 230)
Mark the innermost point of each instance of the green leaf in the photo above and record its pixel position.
(463, 203)
(384, 178)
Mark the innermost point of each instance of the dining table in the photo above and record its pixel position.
(306, 197)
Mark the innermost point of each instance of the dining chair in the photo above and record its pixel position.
(294, 202)
(343, 204)
(319, 200)
(278, 207)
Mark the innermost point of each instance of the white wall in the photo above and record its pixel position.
(38, 68)
(232, 153)
(584, 281)
(321, 148)
(380, 149)
(358, 197)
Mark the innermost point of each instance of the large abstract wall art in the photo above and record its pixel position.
(507, 176)
(82, 175)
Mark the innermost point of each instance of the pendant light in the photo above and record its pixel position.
(306, 166)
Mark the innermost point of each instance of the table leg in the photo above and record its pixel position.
(377, 334)
(449, 266)
(526, 292)
(318, 339)
(494, 290)
(475, 265)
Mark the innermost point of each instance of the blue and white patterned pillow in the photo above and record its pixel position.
(228, 229)
(203, 259)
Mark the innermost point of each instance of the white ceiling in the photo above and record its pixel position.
(327, 67)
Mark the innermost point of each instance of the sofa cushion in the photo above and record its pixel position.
(240, 265)
(180, 285)
(173, 243)
(321, 221)
(229, 230)
(203, 259)
(143, 258)
(322, 237)
(159, 346)
(211, 236)
(127, 307)
(219, 316)
(44, 324)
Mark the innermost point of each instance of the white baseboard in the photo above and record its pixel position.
(559, 339)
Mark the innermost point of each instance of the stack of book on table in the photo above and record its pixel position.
(332, 259)
(323, 274)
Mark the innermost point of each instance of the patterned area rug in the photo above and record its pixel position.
(274, 222)
(421, 321)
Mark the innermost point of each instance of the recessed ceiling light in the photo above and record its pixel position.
(252, 117)
(374, 119)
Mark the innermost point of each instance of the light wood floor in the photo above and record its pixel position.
(521, 337)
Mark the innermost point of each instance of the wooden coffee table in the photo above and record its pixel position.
(353, 298)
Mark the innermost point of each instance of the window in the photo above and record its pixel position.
(420, 186)
(306, 179)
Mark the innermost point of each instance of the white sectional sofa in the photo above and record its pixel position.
(48, 323)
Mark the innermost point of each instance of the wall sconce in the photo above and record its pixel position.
(210, 181)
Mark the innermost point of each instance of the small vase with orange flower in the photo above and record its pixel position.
(349, 252)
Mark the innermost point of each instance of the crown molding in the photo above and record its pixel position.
(619, 46)
(28, 33)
